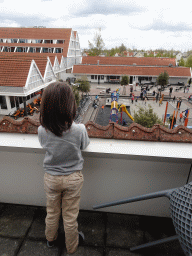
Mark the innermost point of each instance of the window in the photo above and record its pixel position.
(19, 49)
(12, 49)
(96, 77)
(60, 41)
(14, 40)
(3, 102)
(48, 41)
(92, 76)
(39, 41)
(20, 100)
(22, 41)
(32, 49)
(45, 50)
(12, 101)
(102, 77)
(58, 50)
(38, 49)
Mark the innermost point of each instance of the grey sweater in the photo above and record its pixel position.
(63, 154)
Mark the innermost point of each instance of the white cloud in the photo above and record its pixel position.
(143, 24)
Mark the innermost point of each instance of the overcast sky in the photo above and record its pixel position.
(141, 24)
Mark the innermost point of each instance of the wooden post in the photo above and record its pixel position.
(165, 112)
(25, 107)
(186, 119)
(172, 120)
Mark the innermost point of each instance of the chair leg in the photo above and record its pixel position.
(161, 241)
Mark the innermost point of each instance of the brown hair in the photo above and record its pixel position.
(58, 108)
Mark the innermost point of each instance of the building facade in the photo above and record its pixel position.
(30, 59)
(111, 69)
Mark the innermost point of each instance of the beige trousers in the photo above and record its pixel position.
(63, 192)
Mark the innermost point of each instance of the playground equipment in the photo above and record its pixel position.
(173, 112)
(114, 106)
(115, 109)
(122, 109)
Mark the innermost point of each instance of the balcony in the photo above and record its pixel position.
(106, 234)
(114, 169)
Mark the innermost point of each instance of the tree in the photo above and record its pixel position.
(182, 62)
(189, 62)
(83, 85)
(76, 94)
(124, 82)
(163, 79)
(97, 46)
(146, 117)
(122, 48)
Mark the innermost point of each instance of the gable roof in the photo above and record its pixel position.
(144, 61)
(40, 60)
(14, 72)
(131, 70)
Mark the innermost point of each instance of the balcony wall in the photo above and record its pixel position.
(113, 169)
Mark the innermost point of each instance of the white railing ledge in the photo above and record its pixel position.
(123, 149)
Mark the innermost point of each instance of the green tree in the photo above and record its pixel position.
(83, 85)
(124, 80)
(163, 79)
(158, 54)
(146, 117)
(76, 94)
(151, 55)
(189, 62)
(182, 62)
(122, 48)
(97, 46)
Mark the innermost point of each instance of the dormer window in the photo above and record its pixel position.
(45, 50)
(48, 41)
(22, 41)
(58, 50)
(14, 40)
(39, 41)
(60, 41)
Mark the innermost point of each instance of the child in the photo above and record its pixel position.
(63, 141)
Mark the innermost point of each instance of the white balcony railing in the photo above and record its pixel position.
(113, 169)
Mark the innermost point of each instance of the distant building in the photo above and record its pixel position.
(146, 69)
(139, 54)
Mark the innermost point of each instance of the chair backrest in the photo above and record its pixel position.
(181, 213)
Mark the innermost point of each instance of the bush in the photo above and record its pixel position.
(146, 117)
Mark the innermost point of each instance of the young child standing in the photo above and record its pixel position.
(63, 141)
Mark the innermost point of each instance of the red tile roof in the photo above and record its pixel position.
(143, 61)
(40, 60)
(38, 33)
(131, 70)
(14, 72)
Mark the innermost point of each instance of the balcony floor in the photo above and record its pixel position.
(106, 234)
